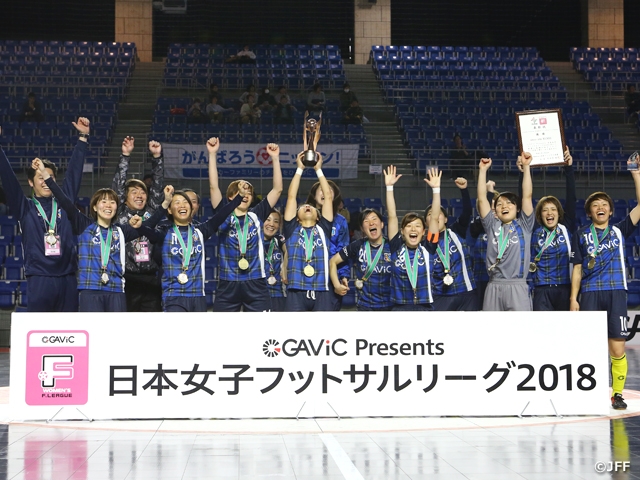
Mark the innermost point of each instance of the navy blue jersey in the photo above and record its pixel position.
(460, 267)
(376, 291)
(609, 272)
(401, 289)
(554, 267)
(229, 250)
(480, 259)
(339, 240)
(273, 264)
(171, 260)
(293, 232)
(88, 234)
(33, 227)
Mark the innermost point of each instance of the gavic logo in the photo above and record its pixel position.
(57, 339)
(271, 348)
(292, 347)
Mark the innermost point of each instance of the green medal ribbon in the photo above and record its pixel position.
(445, 257)
(503, 243)
(550, 236)
(308, 245)
(51, 223)
(243, 233)
(186, 250)
(412, 270)
(105, 247)
(371, 264)
(270, 255)
(596, 240)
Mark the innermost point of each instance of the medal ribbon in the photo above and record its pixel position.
(243, 233)
(308, 245)
(54, 214)
(186, 250)
(550, 236)
(105, 247)
(270, 254)
(596, 240)
(371, 264)
(503, 243)
(445, 258)
(412, 271)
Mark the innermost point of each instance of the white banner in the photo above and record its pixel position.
(353, 364)
(237, 160)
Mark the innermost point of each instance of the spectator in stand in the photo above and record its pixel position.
(346, 97)
(284, 111)
(3, 203)
(250, 113)
(214, 92)
(282, 92)
(216, 112)
(48, 241)
(250, 90)
(316, 99)
(353, 115)
(632, 99)
(243, 56)
(266, 101)
(31, 110)
(195, 113)
(462, 162)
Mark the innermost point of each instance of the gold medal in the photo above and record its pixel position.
(359, 284)
(243, 264)
(448, 279)
(271, 280)
(533, 266)
(592, 262)
(51, 239)
(182, 278)
(309, 271)
(104, 278)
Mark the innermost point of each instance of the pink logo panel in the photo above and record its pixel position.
(57, 367)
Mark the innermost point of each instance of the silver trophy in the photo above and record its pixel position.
(311, 135)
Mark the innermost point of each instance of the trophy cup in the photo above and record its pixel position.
(632, 162)
(311, 135)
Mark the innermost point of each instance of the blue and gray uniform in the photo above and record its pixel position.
(190, 296)
(376, 290)
(308, 293)
(273, 268)
(507, 288)
(51, 279)
(339, 240)
(552, 276)
(402, 292)
(460, 295)
(107, 297)
(237, 288)
(604, 287)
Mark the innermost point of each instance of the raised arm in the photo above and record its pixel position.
(635, 212)
(390, 179)
(462, 222)
(291, 207)
(213, 144)
(340, 288)
(484, 207)
(327, 191)
(156, 192)
(570, 200)
(73, 178)
(433, 180)
(274, 195)
(527, 184)
(78, 220)
(120, 177)
(576, 278)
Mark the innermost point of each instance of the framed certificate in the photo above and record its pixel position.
(541, 133)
